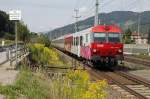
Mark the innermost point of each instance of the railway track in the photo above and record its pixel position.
(128, 83)
(133, 59)
(130, 86)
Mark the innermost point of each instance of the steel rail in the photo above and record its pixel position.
(97, 74)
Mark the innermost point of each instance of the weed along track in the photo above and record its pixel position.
(128, 85)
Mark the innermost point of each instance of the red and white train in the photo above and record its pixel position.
(98, 44)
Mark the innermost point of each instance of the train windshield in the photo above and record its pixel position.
(114, 37)
(100, 37)
(107, 37)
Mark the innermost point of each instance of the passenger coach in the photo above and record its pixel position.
(98, 44)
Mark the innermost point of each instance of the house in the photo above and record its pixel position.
(139, 39)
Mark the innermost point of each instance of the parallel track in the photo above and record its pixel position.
(133, 59)
(130, 83)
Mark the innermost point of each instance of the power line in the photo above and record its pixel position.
(89, 14)
(84, 2)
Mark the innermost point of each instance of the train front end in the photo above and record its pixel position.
(107, 46)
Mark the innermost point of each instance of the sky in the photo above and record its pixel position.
(44, 15)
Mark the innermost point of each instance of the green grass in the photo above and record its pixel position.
(143, 56)
(75, 85)
(7, 42)
(47, 56)
(28, 85)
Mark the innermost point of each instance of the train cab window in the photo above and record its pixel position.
(99, 37)
(114, 37)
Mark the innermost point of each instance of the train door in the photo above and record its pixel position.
(78, 46)
(74, 46)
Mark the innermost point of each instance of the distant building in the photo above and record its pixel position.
(139, 39)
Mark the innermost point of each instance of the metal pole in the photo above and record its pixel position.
(139, 23)
(16, 41)
(77, 17)
(96, 13)
(139, 19)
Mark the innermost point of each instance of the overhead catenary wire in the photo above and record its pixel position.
(90, 11)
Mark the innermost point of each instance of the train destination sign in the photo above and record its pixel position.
(15, 15)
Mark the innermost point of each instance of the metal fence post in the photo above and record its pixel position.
(10, 57)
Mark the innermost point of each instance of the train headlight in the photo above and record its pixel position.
(120, 50)
(94, 50)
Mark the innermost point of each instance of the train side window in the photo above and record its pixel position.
(89, 38)
(81, 40)
(77, 42)
(74, 40)
(86, 37)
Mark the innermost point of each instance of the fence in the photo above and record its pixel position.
(136, 49)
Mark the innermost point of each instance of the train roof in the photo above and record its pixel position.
(106, 28)
(62, 37)
(99, 28)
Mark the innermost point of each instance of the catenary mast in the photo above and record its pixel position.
(96, 13)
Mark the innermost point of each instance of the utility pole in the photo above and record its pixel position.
(139, 23)
(96, 13)
(139, 19)
(76, 17)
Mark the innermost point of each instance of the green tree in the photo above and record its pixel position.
(127, 36)
(3, 23)
(149, 37)
(7, 28)
(23, 32)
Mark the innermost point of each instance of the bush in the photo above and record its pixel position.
(43, 55)
(76, 85)
(28, 86)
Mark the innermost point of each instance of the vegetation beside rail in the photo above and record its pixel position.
(38, 85)
(75, 85)
(44, 56)
(143, 56)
